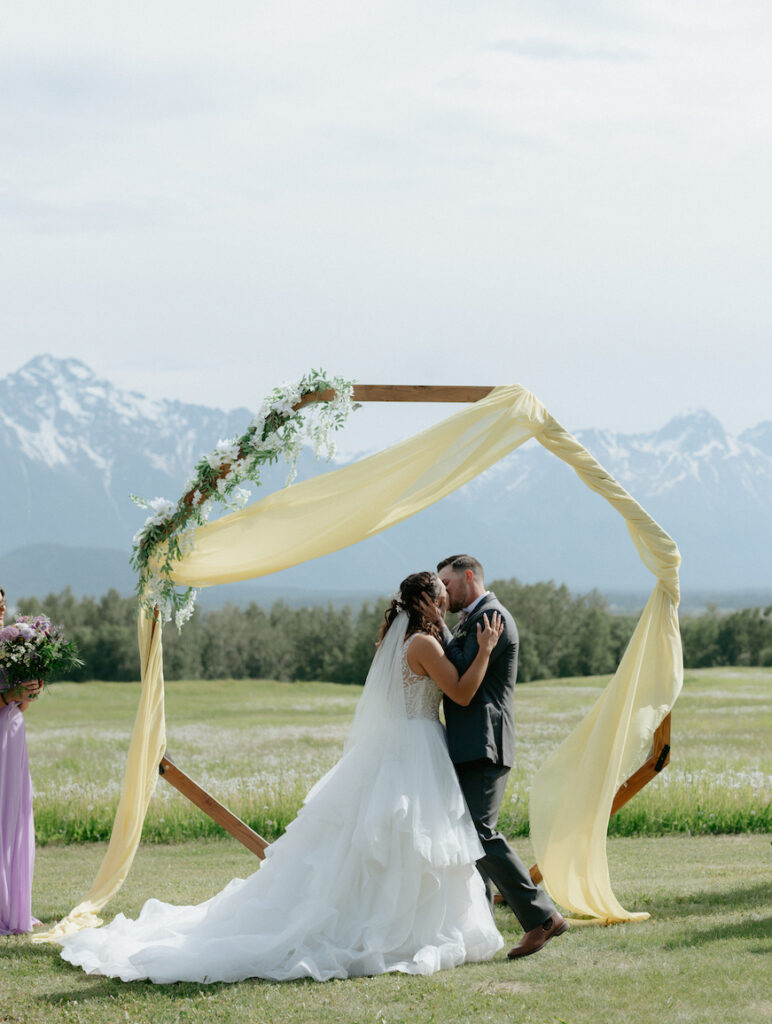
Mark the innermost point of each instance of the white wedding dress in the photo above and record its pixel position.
(377, 872)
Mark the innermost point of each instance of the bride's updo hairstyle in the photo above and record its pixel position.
(412, 590)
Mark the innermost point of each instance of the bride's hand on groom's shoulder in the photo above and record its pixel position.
(489, 631)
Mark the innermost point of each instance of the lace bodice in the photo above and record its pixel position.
(422, 695)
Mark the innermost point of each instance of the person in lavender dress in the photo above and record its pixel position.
(17, 833)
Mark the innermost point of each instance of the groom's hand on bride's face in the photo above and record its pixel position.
(432, 610)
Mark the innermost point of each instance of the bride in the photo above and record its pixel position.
(377, 872)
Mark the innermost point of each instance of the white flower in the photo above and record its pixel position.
(229, 449)
(272, 443)
(187, 539)
(161, 506)
(206, 508)
(283, 407)
(164, 510)
(224, 451)
(182, 614)
(236, 498)
(282, 400)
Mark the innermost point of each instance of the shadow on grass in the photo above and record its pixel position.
(741, 898)
(759, 930)
(26, 949)
(102, 989)
(91, 986)
(95, 988)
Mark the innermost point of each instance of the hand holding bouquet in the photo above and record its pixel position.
(32, 651)
(22, 694)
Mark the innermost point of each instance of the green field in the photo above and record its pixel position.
(702, 957)
(258, 747)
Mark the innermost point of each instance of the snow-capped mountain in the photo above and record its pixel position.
(72, 448)
(712, 492)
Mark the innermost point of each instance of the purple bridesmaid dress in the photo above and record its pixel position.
(17, 833)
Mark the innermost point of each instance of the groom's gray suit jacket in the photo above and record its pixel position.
(485, 729)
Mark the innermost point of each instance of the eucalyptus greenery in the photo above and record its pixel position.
(278, 430)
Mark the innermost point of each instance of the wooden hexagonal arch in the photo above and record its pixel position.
(613, 753)
(660, 751)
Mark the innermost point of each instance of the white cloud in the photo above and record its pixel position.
(572, 197)
(544, 48)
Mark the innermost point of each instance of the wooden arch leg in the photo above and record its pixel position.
(216, 811)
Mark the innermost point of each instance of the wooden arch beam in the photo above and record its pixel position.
(459, 393)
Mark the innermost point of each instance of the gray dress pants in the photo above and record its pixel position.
(483, 784)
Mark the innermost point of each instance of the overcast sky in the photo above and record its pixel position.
(203, 200)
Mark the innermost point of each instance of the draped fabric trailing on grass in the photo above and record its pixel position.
(146, 748)
(572, 793)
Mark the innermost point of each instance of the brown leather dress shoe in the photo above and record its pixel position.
(533, 940)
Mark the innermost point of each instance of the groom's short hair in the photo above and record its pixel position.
(460, 563)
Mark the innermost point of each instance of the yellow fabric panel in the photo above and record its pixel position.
(330, 512)
(146, 748)
(572, 793)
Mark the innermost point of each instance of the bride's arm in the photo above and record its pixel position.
(427, 657)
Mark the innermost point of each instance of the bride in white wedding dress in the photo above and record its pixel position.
(377, 872)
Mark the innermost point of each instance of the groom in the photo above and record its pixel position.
(481, 740)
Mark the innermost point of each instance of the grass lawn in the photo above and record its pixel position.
(703, 957)
(259, 746)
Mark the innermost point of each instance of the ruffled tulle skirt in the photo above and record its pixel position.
(377, 873)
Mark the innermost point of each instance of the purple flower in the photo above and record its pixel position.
(9, 633)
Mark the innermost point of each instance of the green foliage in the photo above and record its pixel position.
(168, 531)
(740, 638)
(561, 635)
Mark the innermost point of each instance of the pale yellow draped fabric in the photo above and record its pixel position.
(572, 794)
(146, 748)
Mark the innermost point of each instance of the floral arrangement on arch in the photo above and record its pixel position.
(278, 430)
(33, 648)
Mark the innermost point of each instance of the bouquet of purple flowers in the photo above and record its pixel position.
(33, 648)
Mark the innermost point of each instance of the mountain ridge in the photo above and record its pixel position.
(73, 447)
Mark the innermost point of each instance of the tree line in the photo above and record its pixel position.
(561, 635)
